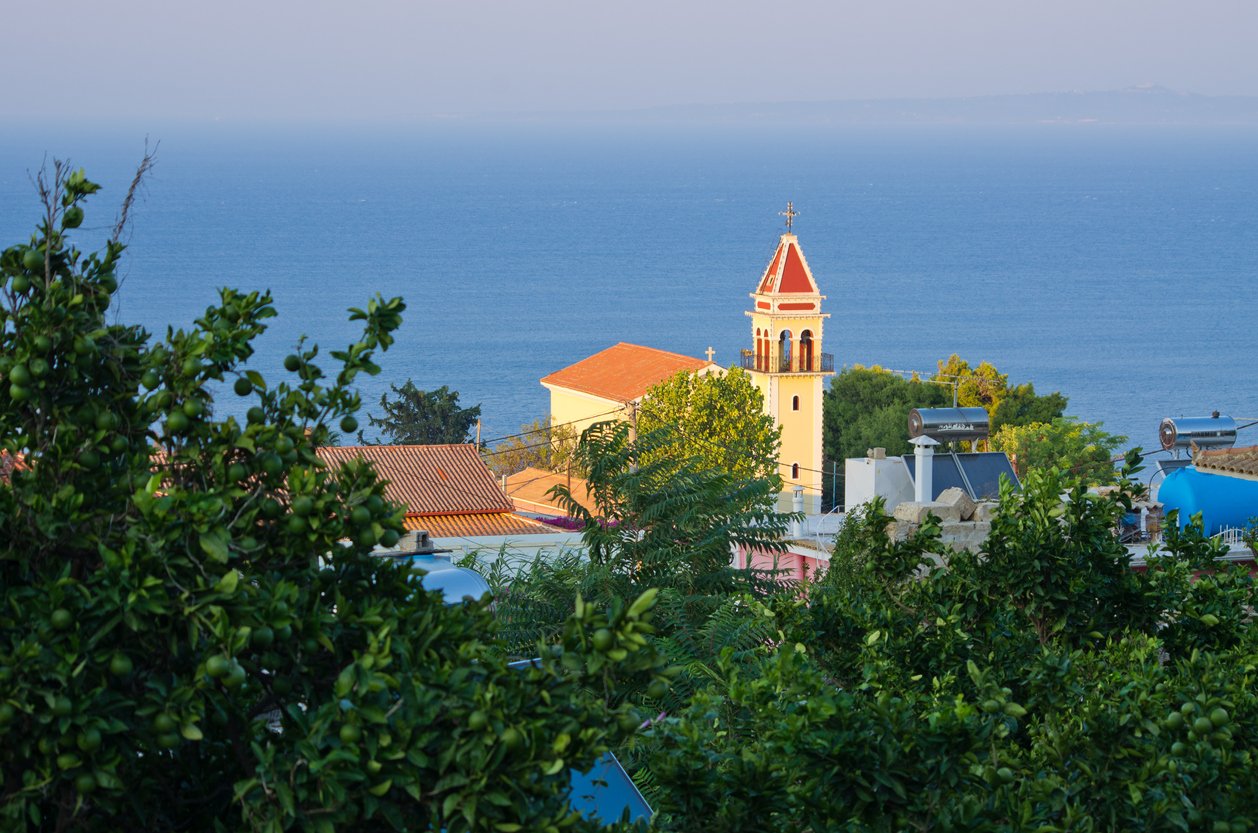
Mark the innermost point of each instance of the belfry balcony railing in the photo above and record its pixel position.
(774, 361)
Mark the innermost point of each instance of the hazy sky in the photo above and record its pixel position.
(390, 59)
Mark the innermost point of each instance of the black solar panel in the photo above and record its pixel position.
(982, 472)
(946, 473)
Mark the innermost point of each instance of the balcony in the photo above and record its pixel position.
(802, 361)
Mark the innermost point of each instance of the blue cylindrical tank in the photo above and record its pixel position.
(1222, 501)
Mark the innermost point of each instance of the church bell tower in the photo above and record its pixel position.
(788, 366)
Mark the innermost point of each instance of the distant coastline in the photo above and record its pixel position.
(1148, 104)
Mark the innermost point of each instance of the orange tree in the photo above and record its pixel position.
(193, 635)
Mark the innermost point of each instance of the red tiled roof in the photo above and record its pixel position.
(624, 372)
(10, 463)
(1236, 462)
(469, 526)
(788, 272)
(429, 479)
(527, 489)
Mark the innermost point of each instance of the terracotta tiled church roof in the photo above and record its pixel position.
(622, 373)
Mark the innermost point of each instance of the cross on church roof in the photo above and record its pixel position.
(790, 214)
(711, 353)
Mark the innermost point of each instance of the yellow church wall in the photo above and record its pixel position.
(581, 409)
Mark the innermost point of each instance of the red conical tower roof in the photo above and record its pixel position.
(788, 271)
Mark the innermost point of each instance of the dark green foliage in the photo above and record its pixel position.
(422, 417)
(193, 635)
(1021, 405)
(1043, 685)
(868, 407)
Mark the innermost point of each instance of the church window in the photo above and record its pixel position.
(784, 352)
(794, 471)
(805, 350)
(794, 403)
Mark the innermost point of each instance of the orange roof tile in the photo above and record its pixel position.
(1236, 462)
(470, 526)
(528, 490)
(624, 372)
(10, 463)
(429, 479)
(788, 272)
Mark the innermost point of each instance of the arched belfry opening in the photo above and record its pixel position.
(784, 351)
(805, 351)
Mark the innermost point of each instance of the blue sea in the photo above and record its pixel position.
(1117, 265)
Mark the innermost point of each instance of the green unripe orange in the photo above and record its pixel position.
(350, 733)
(164, 723)
(85, 783)
(33, 259)
(512, 738)
(193, 407)
(62, 619)
(303, 505)
(61, 706)
(120, 665)
(255, 415)
(243, 387)
(72, 218)
(21, 283)
(20, 375)
(360, 516)
(235, 677)
(389, 538)
(218, 666)
(1202, 726)
(1219, 716)
(177, 422)
(477, 720)
(291, 363)
(89, 740)
(150, 379)
(349, 425)
(603, 640)
(262, 637)
(1174, 720)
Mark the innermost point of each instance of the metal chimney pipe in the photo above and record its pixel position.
(924, 464)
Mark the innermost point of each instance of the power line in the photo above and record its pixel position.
(550, 427)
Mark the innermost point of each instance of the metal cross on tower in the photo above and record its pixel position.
(790, 214)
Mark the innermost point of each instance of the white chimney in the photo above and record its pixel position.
(924, 466)
(797, 506)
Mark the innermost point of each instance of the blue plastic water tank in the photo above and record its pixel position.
(1222, 501)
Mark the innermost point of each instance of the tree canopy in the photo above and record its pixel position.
(1083, 448)
(540, 444)
(717, 419)
(193, 633)
(422, 417)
